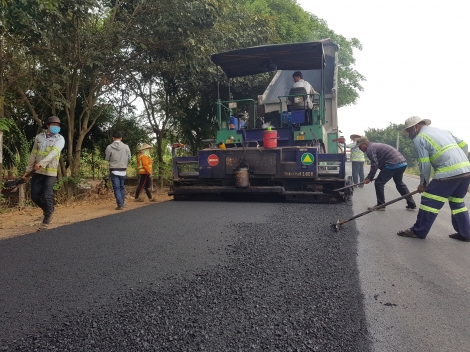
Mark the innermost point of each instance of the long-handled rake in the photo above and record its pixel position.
(15, 183)
(350, 186)
(336, 225)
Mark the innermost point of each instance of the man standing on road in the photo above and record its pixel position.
(391, 163)
(44, 159)
(447, 155)
(118, 155)
(357, 160)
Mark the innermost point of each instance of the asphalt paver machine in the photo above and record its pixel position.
(283, 145)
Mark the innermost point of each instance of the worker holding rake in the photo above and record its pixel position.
(392, 164)
(44, 159)
(447, 155)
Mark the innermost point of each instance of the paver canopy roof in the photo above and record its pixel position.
(265, 58)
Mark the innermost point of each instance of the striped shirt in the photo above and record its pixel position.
(382, 155)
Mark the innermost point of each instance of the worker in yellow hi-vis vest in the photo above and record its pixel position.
(144, 166)
(357, 160)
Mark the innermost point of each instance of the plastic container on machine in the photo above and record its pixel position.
(286, 118)
(270, 138)
(233, 123)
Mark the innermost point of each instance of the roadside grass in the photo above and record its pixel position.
(413, 170)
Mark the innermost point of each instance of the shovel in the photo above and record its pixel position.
(336, 225)
(18, 181)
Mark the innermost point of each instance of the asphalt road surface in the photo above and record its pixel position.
(416, 292)
(217, 276)
(186, 276)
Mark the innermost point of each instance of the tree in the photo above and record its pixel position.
(174, 77)
(74, 61)
(293, 24)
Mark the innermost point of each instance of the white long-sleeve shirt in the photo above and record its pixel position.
(308, 88)
(46, 152)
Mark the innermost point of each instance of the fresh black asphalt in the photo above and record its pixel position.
(187, 276)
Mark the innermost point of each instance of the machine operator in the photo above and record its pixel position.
(300, 82)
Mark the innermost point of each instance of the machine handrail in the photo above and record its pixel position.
(319, 103)
(220, 103)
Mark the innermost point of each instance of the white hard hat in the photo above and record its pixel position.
(414, 120)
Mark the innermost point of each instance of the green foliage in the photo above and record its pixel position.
(93, 165)
(68, 180)
(16, 149)
(85, 60)
(293, 24)
(6, 124)
(389, 136)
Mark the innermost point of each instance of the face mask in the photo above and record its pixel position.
(54, 129)
(413, 133)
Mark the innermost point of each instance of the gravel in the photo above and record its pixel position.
(289, 284)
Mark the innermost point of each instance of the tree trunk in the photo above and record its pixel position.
(2, 102)
(160, 156)
(1, 155)
(21, 195)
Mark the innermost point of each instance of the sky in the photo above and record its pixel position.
(415, 58)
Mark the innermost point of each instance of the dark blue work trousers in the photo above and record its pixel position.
(42, 192)
(433, 199)
(384, 176)
(357, 171)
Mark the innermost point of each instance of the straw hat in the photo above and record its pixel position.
(362, 140)
(145, 146)
(413, 121)
(355, 136)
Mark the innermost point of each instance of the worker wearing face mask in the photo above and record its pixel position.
(44, 159)
(447, 155)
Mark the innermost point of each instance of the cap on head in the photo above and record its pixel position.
(413, 121)
(144, 146)
(362, 140)
(355, 136)
(53, 119)
(297, 74)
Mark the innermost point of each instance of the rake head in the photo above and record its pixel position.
(13, 184)
(335, 226)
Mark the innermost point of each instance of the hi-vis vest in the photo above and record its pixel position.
(446, 153)
(46, 152)
(356, 154)
(144, 164)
